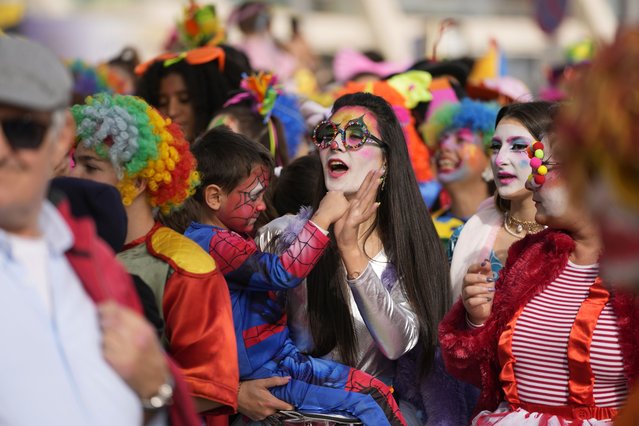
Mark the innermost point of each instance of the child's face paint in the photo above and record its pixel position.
(345, 170)
(241, 207)
(509, 159)
(460, 157)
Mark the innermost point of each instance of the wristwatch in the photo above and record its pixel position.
(162, 398)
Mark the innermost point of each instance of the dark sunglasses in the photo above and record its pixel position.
(23, 132)
(354, 135)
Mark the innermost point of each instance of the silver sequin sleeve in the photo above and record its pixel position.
(387, 314)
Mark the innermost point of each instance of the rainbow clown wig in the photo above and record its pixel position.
(479, 117)
(140, 144)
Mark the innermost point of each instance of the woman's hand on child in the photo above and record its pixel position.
(478, 291)
(361, 208)
(255, 401)
(331, 208)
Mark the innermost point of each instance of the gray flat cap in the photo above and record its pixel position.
(31, 76)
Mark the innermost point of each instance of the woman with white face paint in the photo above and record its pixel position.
(555, 345)
(509, 215)
(382, 285)
(460, 134)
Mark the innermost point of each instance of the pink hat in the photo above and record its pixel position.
(348, 63)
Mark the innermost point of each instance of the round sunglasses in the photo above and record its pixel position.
(354, 135)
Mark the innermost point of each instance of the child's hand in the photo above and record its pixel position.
(331, 208)
(478, 291)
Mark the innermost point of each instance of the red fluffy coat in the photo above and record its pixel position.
(533, 263)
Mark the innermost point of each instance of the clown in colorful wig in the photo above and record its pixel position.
(460, 134)
(146, 151)
(123, 141)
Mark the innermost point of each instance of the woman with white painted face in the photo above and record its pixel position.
(509, 215)
(549, 342)
(382, 285)
(460, 135)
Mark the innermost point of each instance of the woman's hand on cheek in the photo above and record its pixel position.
(361, 208)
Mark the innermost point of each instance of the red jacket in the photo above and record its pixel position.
(104, 279)
(533, 263)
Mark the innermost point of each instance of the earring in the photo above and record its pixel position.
(383, 178)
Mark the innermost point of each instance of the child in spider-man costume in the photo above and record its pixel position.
(235, 172)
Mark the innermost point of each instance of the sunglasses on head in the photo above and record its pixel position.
(354, 135)
(23, 132)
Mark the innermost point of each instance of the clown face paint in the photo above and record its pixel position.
(460, 157)
(552, 197)
(241, 207)
(345, 170)
(509, 159)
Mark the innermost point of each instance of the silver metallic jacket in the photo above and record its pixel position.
(385, 325)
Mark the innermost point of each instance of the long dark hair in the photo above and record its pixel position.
(536, 117)
(410, 242)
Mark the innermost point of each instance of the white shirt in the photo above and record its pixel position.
(32, 255)
(51, 365)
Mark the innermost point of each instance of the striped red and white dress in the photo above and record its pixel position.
(539, 346)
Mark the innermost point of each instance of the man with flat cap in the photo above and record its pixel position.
(75, 349)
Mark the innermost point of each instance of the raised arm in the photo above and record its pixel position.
(241, 261)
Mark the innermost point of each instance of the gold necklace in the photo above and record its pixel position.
(524, 227)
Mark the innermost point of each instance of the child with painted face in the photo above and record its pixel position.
(235, 173)
(460, 133)
(509, 215)
(555, 345)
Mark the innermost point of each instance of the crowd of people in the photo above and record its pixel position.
(202, 239)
